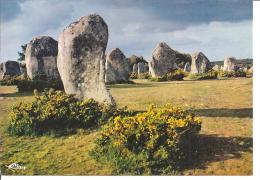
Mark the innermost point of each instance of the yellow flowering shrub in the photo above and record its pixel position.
(56, 111)
(172, 75)
(152, 142)
(227, 74)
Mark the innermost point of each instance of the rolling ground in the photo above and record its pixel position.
(225, 107)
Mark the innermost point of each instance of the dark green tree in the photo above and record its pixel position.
(22, 54)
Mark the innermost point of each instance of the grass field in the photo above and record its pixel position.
(225, 107)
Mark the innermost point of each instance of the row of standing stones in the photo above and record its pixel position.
(79, 60)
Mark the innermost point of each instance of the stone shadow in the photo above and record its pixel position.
(17, 94)
(224, 112)
(211, 148)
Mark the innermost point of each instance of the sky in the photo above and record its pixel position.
(218, 28)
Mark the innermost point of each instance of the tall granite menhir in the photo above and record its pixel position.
(163, 60)
(199, 63)
(229, 64)
(117, 67)
(9, 69)
(81, 58)
(41, 57)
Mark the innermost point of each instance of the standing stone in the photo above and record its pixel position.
(9, 69)
(135, 60)
(187, 67)
(200, 63)
(81, 58)
(216, 67)
(23, 69)
(163, 60)
(135, 68)
(250, 70)
(221, 68)
(117, 67)
(142, 67)
(229, 64)
(41, 57)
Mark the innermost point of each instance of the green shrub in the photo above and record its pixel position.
(11, 81)
(157, 79)
(173, 75)
(55, 111)
(134, 75)
(201, 76)
(177, 74)
(143, 75)
(26, 84)
(152, 142)
(227, 74)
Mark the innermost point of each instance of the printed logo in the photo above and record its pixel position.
(16, 166)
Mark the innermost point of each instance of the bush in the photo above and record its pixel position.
(228, 74)
(143, 75)
(209, 75)
(55, 111)
(12, 80)
(156, 79)
(173, 75)
(152, 142)
(177, 74)
(26, 84)
(134, 75)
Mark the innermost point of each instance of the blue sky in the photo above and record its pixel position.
(218, 28)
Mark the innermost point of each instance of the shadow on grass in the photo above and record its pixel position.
(211, 148)
(136, 85)
(17, 94)
(223, 112)
(149, 84)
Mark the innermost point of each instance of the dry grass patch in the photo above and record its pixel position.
(225, 107)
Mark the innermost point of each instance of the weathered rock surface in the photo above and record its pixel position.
(9, 69)
(117, 67)
(229, 64)
(200, 63)
(135, 60)
(41, 57)
(187, 67)
(81, 58)
(23, 70)
(250, 70)
(142, 67)
(135, 68)
(182, 59)
(163, 60)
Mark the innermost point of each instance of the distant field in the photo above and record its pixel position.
(225, 107)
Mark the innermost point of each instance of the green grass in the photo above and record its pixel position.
(225, 107)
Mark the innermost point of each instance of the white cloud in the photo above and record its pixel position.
(131, 28)
(217, 39)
